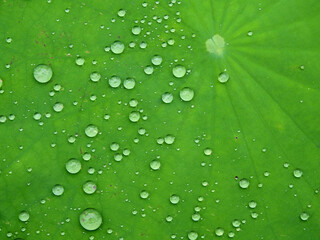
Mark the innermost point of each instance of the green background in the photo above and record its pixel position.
(266, 115)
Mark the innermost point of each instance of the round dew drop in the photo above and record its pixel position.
(297, 173)
(89, 187)
(244, 183)
(174, 199)
(195, 217)
(58, 107)
(192, 235)
(95, 77)
(169, 139)
(155, 165)
(134, 116)
(73, 166)
(167, 97)
(219, 232)
(148, 70)
(304, 216)
(91, 131)
(186, 94)
(42, 73)
(179, 71)
(223, 77)
(114, 81)
(24, 216)
(136, 30)
(121, 13)
(144, 194)
(114, 146)
(90, 219)
(80, 61)
(129, 83)
(156, 60)
(117, 47)
(58, 190)
(252, 204)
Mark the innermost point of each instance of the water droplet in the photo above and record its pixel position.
(186, 94)
(42, 73)
(195, 217)
(250, 33)
(73, 166)
(121, 13)
(236, 223)
(169, 139)
(80, 61)
(169, 218)
(304, 216)
(114, 81)
(252, 204)
(134, 116)
(208, 151)
(90, 219)
(86, 156)
(174, 199)
(144, 194)
(129, 83)
(254, 215)
(37, 116)
(244, 183)
(95, 76)
(117, 47)
(91, 131)
(179, 71)
(58, 190)
(192, 235)
(219, 232)
(114, 146)
(24, 216)
(136, 30)
(58, 107)
(148, 70)
(1, 82)
(155, 165)
(167, 97)
(89, 187)
(297, 173)
(223, 77)
(156, 60)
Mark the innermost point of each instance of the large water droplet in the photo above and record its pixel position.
(186, 94)
(219, 232)
(167, 97)
(244, 183)
(304, 216)
(89, 187)
(223, 77)
(58, 190)
(91, 131)
(174, 199)
(179, 71)
(90, 219)
(129, 83)
(95, 76)
(42, 73)
(73, 166)
(192, 235)
(24, 216)
(114, 81)
(117, 47)
(136, 30)
(134, 116)
(155, 165)
(144, 194)
(297, 173)
(156, 60)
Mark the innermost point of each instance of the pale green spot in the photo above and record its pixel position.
(215, 45)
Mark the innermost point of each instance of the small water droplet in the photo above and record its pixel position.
(95, 76)
(134, 116)
(219, 232)
(89, 187)
(80, 61)
(144, 194)
(186, 94)
(297, 173)
(155, 165)
(192, 235)
(304, 216)
(167, 97)
(156, 60)
(114, 81)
